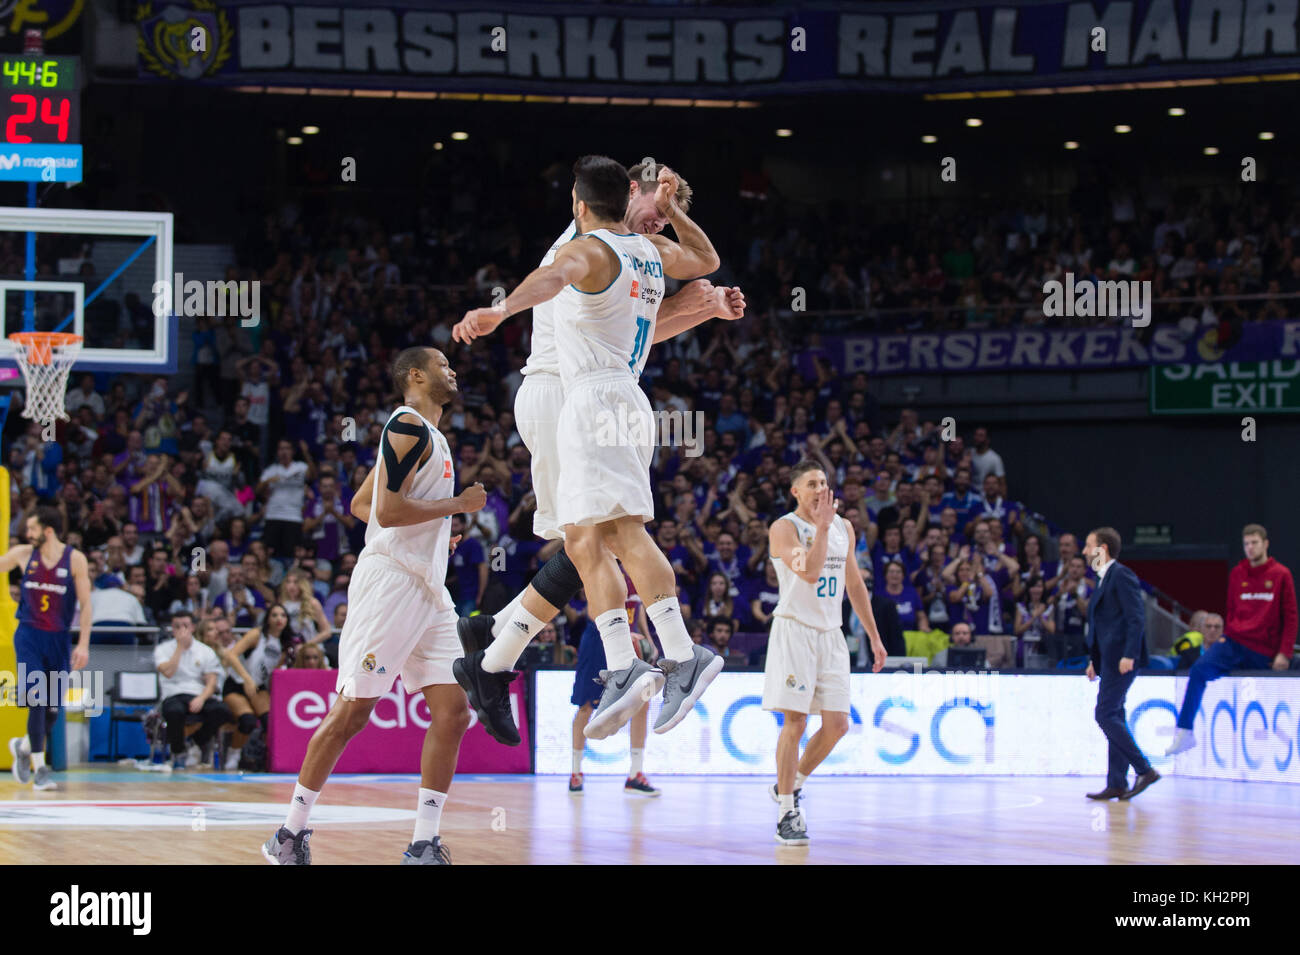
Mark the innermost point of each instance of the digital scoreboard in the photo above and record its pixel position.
(41, 99)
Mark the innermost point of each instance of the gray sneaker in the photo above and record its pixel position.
(427, 852)
(626, 691)
(791, 830)
(284, 848)
(43, 780)
(22, 764)
(686, 683)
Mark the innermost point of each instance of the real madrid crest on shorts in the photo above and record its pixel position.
(789, 681)
(368, 664)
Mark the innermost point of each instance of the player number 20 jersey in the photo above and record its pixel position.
(818, 605)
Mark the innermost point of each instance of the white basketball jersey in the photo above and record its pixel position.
(818, 605)
(611, 330)
(422, 549)
(543, 357)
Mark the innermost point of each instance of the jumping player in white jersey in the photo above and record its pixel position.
(807, 669)
(401, 618)
(608, 285)
(493, 645)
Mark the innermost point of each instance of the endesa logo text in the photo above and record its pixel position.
(1248, 728)
(395, 709)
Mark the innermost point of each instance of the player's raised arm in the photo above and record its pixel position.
(575, 264)
(692, 255)
(783, 541)
(404, 445)
(694, 304)
(15, 557)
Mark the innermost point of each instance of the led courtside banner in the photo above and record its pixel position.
(957, 725)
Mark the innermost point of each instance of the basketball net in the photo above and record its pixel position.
(45, 359)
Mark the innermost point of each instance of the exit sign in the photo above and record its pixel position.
(1150, 535)
(1226, 388)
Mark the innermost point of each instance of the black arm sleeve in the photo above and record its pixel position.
(395, 469)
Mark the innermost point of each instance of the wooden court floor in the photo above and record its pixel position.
(123, 816)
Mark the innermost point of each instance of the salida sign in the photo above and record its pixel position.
(1226, 388)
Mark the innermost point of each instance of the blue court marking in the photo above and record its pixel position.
(108, 281)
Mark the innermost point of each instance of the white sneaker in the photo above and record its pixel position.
(1182, 742)
(194, 756)
(232, 760)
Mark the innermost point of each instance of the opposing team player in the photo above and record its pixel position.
(587, 694)
(401, 618)
(807, 669)
(486, 678)
(55, 582)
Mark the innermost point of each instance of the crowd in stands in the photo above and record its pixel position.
(229, 496)
(964, 273)
(1229, 258)
(230, 499)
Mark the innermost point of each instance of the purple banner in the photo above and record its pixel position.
(684, 50)
(1034, 349)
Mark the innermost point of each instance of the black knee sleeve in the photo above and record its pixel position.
(247, 723)
(558, 580)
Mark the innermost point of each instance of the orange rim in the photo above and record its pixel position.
(40, 345)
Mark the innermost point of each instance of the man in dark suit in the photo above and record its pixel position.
(1117, 648)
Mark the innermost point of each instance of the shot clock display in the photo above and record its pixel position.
(40, 99)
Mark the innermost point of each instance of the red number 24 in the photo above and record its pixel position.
(28, 115)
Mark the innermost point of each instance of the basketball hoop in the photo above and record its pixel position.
(45, 359)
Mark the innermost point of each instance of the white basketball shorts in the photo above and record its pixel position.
(537, 415)
(606, 440)
(393, 627)
(807, 670)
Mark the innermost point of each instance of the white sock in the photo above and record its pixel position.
(616, 635)
(577, 761)
(799, 780)
(25, 745)
(787, 804)
(638, 759)
(507, 648)
(428, 813)
(503, 616)
(666, 615)
(38, 760)
(300, 808)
